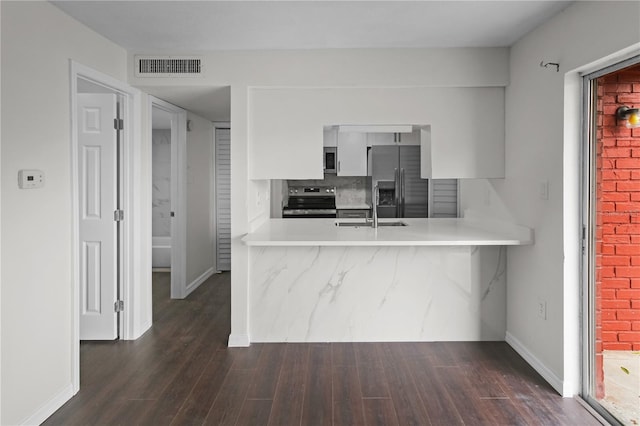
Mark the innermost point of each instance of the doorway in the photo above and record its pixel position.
(117, 210)
(161, 190)
(611, 294)
(168, 207)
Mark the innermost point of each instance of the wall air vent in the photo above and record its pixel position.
(167, 66)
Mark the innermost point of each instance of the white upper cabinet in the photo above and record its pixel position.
(352, 154)
(405, 138)
(330, 136)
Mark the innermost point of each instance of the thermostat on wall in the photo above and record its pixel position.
(28, 179)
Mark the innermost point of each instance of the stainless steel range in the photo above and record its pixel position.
(310, 202)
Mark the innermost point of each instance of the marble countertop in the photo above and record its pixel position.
(419, 232)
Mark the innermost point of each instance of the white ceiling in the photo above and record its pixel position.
(194, 26)
(225, 25)
(212, 103)
(160, 120)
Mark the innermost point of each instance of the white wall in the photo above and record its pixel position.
(0, 219)
(542, 145)
(384, 68)
(467, 126)
(36, 241)
(459, 67)
(200, 235)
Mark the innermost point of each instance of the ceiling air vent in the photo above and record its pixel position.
(168, 66)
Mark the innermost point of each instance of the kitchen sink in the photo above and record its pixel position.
(368, 224)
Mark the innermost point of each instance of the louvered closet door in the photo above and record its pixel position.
(223, 199)
(444, 193)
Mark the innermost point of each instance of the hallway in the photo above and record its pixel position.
(181, 372)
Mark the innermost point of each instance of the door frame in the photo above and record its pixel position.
(178, 192)
(132, 259)
(588, 220)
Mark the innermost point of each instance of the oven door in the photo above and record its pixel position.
(308, 213)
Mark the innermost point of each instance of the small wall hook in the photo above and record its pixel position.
(544, 64)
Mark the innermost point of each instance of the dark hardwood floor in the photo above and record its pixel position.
(181, 373)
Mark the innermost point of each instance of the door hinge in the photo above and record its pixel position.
(118, 123)
(118, 215)
(118, 306)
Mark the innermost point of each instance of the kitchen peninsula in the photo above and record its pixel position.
(431, 280)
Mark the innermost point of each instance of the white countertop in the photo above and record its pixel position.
(419, 232)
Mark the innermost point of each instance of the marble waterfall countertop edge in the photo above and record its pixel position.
(418, 232)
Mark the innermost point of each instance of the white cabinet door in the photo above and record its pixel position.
(374, 139)
(426, 168)
(330, 136)
(412, 138)
(352, 154)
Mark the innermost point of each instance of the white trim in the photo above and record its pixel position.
(537, 365)
(50, 407)
(131, 268)
(0, 218)
(572, 200)
(196, 283)
(239, 341)
(178, 192)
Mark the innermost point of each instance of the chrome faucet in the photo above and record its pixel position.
(375, 200)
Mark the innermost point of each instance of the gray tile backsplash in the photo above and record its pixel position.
(161, 193)
(349, 190)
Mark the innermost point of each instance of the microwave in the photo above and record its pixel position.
(330, 161)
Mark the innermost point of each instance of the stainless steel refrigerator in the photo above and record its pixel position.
(396, 171)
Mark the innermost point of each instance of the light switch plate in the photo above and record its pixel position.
(543, 190)
(30, 179)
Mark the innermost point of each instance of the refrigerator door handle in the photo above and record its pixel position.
(402, 187)
(396, 178)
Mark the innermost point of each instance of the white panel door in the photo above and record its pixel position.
(97, 175)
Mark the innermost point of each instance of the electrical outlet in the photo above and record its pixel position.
(542, 309)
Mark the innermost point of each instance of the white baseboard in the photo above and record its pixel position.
(537, 365)
(239, 341)
(196, 283)
(49, 407)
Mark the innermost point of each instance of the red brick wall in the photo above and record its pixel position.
(617, 220)
(618, 215)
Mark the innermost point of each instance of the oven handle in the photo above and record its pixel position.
(305, 212)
